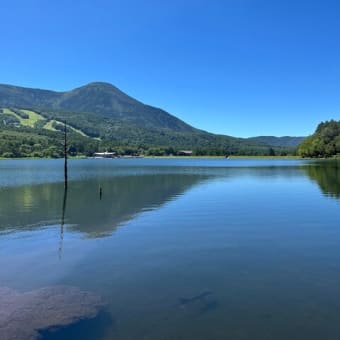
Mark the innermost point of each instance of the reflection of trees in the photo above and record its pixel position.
(123, 197)
(327, 175)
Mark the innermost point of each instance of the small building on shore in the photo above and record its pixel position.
(105, 154)
(185, 153)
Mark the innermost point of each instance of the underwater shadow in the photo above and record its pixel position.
(85, 329)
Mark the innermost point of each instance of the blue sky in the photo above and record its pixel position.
(235, 67)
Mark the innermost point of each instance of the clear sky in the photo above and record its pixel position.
(235, 67)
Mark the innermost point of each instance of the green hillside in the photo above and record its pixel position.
(325, 142)
(101, 117)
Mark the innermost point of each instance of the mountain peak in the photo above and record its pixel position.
(100, 84)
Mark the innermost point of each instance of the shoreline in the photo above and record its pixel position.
(169, 157)
(180, 157)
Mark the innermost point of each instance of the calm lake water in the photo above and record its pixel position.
(179, 248)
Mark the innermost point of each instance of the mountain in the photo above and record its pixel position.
(285, 141)
(324, 142)
(99, 98)
(99, 116)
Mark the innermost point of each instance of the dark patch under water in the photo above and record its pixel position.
(88, 328)
(203, 302)
(23, 313)
(197, 298)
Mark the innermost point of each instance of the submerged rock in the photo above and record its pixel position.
(22, 315)
(196, 298)
(200, 303)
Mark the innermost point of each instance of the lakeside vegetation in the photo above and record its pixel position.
(324, 143)
(28, 133)
(21, 143)
(44, 138)
(39, 134)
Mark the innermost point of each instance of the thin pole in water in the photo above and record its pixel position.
(65, 155)
(61, 240)
(65, 193)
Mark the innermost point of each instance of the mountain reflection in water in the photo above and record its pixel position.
(84, 211)
(95, 206)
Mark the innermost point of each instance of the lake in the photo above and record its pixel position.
(170, 249)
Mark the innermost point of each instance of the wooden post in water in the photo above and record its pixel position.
(65, 155)
(62, 223)
(65, 194)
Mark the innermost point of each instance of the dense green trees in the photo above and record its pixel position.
(27, 142)
(325, 142)
(8, 120)
(107, 134)
(38, 142)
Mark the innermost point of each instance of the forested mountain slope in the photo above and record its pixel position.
(99, 116)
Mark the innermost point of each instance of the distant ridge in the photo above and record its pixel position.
(285, 141)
